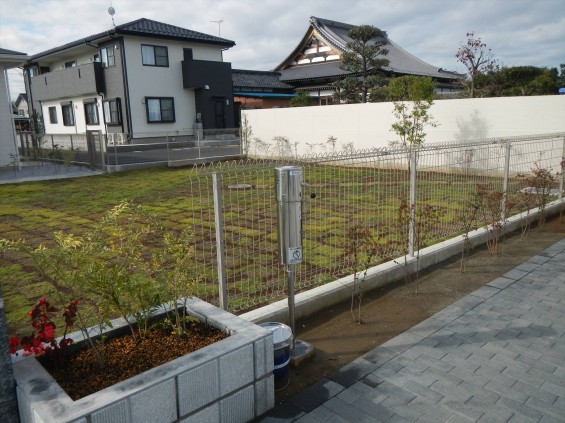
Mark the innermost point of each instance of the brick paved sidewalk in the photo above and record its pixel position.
(497, 355)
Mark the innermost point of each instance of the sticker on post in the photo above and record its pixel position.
(294, 255)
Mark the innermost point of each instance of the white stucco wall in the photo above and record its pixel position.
(154, 81)
(7, 132)
(79, 58)
(368, 125)
(80, 119)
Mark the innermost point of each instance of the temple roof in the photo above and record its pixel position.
(334, 36)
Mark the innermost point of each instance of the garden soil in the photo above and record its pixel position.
(389, 311)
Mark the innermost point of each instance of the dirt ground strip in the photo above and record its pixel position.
(389, 311)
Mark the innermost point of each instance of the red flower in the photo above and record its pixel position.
(48, 332)
(14, 344)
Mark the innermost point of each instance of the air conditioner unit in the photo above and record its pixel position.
(111, 138)
(121, 138)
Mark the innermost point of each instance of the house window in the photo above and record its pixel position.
(53, 114)
(68, 115)
(108, 58)
(70, 64)
(21, 112)
(160, 109)
(91, 112)
(154, 56)
(112, 112)
(33, 71)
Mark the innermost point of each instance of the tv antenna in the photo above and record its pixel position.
(112, 12)
(219, 23)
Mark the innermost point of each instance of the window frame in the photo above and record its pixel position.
(108, 60)
(155, 56)
(71, 64)
(91, 112)
(53, 119)
(68, 118)
(109, 114)
(149, 100)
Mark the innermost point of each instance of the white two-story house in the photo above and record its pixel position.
(135, 82)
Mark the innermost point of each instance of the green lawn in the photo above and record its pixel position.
(182, 198)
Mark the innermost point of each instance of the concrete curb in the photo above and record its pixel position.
(319, 298)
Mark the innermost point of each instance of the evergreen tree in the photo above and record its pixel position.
(364, 58)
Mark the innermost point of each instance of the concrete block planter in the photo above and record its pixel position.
(230, 380)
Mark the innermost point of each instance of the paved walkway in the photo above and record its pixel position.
(497, 355)
(32, 171)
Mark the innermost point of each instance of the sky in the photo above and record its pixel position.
(519, 32)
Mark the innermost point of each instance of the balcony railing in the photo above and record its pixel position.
(69, 82)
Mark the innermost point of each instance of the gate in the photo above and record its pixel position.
(96, 149)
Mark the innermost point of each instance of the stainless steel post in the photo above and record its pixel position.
(288, 183)
(290, 282)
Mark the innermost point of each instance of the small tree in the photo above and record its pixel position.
(284, 148)
(245, 134)
(302, 99)
(363, 58)
(412, 97)
(476, 57)
(332, 141)
(355, 246)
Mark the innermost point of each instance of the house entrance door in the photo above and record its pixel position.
(219, 113)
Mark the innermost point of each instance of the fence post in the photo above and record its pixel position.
(412, 227)
(198, 141)
(102, 145)
(115, 154)
(168, 149)
(220, 250)
(561, 180)
(22, 145)
(505, 179)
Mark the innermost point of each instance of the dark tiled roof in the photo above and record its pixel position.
(146, 28)
(313, 71)
(21, 96)
(12, 52)
(335, 33)
(258, 79)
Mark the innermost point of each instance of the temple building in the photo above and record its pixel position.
(315, 62)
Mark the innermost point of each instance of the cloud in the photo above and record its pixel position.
(520, 32)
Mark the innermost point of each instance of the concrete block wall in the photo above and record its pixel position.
(230, 380)
(369, 125)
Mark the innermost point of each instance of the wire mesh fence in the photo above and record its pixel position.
(403, 199)
(371, 190)
(108, 151)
